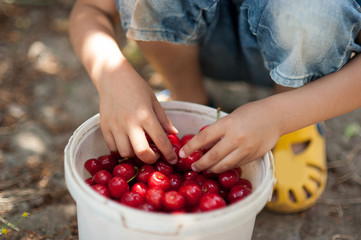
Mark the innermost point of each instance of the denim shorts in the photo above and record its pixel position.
(287, 42)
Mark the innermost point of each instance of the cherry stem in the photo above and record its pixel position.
(218, 112)
(136, 173)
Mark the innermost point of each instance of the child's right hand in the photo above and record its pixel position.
(128, 110)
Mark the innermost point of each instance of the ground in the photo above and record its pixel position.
(45, 94)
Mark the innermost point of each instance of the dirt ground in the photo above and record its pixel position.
(45, 95)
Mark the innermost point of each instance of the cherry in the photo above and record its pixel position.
(140, 188)
(195, 156)
(144, 172)
(154, 196)
(181, 166)
(239, 171)
(209, 174)
(201, 179)
(93, 166)
(108, 162)
(124, 170)
(164, 167)
(187, 182)
(237, 193)
(191, 175)
(155, 149)
(158, 179)
(173, 201)
(191, 193)
(147, 207)
(132, 199)
(245, 182)
(101, 189)
(186, 138)
(210, 186)
(102, 177)
(211, 201)
(174, 140)
(228, 179)
(175, 181)
(89, 181)
(118, 186)
(204, 127)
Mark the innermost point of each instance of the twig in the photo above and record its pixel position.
(342, 237)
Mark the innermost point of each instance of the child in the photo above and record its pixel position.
(290, 42)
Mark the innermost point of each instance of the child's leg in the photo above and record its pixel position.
(301, 41)
(179, 67)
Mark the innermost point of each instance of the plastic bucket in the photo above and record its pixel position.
(101, 218)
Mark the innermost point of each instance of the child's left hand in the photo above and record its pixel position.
(245, 135)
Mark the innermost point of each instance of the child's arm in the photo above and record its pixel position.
(254, 128)
(128, 107)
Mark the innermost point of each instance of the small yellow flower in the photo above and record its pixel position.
(25, 214)
(4, 231)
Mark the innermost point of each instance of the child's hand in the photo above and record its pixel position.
(128, 110)
(241, 137)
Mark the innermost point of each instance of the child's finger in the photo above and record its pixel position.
(216, 154)
(160, 139)
(163, 119)
(208, 135)
(141, 147)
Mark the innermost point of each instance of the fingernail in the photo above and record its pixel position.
(174, 129)
(181, 154)
(194, 168)
(174, 161)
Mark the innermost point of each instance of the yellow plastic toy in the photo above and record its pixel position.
(301, 177)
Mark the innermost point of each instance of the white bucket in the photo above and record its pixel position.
(101, 218)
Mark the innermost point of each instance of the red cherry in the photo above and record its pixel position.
(140, 188)
(195, 156)
(187, 182)
(210, 186)
(211, 201)
(118, 186)
(124, 170)
(154, 196)
(191, 175)
(173, 201)
(209, 174)
(245, 182)
(186, 138)
(101, 189)
(147, 207)
(155, 149)
(108, 162)
(175, 181)
(89, 181)
(102, 177)
(158, 179)
(239, 171)
(181, 166)
(228, 179)
(132, 199)
(93, 166)
(164, 167)
(203, 128)
(191, 193)
(238, 193)
(201, 179)
(144, 172)
(174, 140)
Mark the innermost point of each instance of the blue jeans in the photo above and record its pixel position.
(288, 42)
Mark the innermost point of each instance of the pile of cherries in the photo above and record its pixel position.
(162, 187)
